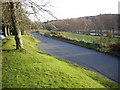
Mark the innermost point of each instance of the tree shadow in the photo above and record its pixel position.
(4, 42)
(44, 53)
(9, 50)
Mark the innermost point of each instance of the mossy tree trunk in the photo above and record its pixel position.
(18, 37)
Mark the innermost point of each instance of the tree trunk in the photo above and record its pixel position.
(101, 32)
(6, 31)
(95, 32)
(18, 37)
(113, 32)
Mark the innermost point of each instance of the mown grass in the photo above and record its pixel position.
(91, 39)
(32, 68)
(85, 38)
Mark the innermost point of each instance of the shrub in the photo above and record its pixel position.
(37, 32)
(63, 37)
(54, 32)
(109, 34)
(115, 47)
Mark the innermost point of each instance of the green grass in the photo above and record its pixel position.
(90, 39)
(32, 68)
(85, 38)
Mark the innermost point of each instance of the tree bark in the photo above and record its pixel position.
(6, 31)
(18, 37)
(113, 32)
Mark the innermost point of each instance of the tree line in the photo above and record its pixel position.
(97, 24)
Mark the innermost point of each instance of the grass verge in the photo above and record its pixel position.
(32, 68)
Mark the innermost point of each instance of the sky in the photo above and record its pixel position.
(64, 9)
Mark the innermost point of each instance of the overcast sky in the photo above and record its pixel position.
(63, 9)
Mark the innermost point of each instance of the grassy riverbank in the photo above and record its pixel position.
(32, 68)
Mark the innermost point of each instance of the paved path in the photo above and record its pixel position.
(103, 64)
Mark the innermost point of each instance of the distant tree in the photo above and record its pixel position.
(6, 19)
(84, 25)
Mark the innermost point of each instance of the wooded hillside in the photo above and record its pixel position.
(99, 24)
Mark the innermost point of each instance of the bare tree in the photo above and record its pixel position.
(96, 24)
(18, 37)
(6, 18)
(15, 14)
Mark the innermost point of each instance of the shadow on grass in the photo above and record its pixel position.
(4, 41)
(8, 50)
(44, 53)
(13, 50)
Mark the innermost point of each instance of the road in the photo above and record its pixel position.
(98, 62)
